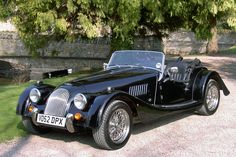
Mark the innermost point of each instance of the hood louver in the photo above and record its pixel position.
(138, 90)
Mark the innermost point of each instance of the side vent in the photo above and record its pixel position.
(138, 90)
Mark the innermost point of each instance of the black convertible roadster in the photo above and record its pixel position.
(133, 85)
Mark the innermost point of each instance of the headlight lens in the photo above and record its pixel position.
(35, 95)
(80, 101)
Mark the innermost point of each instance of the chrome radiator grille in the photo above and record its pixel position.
(57, 103)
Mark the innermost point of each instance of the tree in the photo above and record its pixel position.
(199, 16)
(204, 17)
(4, 10)
(40, 21)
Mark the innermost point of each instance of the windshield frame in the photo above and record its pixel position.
(161, 70)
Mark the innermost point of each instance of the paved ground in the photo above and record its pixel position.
(186, 135)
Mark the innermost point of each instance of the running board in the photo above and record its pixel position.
(183, 105)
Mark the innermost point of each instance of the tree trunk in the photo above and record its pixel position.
(212, 45)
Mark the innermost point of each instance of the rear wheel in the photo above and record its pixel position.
(116, 126)
(212, 98)
(31, 127)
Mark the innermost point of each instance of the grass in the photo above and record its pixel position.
(10, 124)
(229, 51)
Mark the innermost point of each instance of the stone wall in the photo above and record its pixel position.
(183, 42)
(92, 53)
(78, 55)
(11, 45)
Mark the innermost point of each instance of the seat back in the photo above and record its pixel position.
(184, 70)
(181, 75)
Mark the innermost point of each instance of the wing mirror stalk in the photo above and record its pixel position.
(105, 66)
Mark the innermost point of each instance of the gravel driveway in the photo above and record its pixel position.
(184, 135)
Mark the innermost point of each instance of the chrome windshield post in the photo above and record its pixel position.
(162, 68)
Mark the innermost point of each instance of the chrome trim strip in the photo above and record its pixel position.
(162, 68)
(155, 96)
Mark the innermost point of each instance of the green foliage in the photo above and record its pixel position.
(40, 21)
(4, 10)
(123, 17)
(207, 13)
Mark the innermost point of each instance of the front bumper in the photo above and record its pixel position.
(69, 120)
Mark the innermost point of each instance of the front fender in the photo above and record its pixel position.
(46, 89)
(201, 81)
(100, 103)
(22, 100)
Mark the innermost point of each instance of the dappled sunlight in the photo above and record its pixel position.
(224, 65)
(16, 147)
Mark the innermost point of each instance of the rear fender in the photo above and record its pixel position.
(201, 81)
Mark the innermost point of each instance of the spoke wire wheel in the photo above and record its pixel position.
(211, 100)
(119, 126)
(212, 97)
(116, 126)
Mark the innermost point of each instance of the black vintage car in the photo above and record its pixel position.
(133, 85)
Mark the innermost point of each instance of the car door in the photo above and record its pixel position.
(172, 92)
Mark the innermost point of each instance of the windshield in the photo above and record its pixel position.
(147, 59)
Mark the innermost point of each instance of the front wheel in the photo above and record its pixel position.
(116, 126)
(212, 98)
(31, 127)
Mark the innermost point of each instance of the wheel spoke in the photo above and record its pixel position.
(119, 126)
(212, 97)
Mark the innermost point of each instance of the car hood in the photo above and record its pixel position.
(115, 78)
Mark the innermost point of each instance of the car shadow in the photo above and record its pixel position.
(225, 70)
(224, 65)
(159, 122)
(86, 137)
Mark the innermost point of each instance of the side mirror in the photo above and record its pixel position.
(105, 66)
(174, 70)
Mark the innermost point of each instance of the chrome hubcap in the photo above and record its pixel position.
(119, 126)
(212, 98)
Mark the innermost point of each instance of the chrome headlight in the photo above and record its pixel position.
(34, 95)
(80, 101)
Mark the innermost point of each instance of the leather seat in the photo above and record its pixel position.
(181, 75)
(184, 70)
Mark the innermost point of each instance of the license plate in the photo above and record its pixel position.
(51, 120)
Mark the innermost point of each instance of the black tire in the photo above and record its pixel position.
(102, 135)
(32, 128)
(205, 109)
